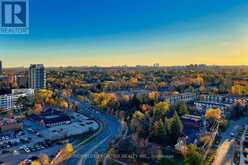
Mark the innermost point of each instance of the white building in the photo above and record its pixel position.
(9, 101)
(174, 98)
(27, 91)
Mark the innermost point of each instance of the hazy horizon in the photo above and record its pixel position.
(105, 66)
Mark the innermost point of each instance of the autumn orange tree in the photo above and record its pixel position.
(213, 116)
(64, 154)
(37, 108)
(44, 159)
(104, 100)
(153, 96)
(239, 90)
(44, 97)
(133, 82)
(62, 103)
(162, 84)
(236, 89)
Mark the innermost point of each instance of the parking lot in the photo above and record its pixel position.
(244, 147)
(23, 142)
(33, 139)
(16, 141)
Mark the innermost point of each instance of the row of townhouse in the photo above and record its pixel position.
(222, 102)
(174, 98)
(203, 106)
(223, 99)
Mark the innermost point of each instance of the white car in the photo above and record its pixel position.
(27, 150)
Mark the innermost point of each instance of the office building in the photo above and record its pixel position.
(1, 69)
(37, 76)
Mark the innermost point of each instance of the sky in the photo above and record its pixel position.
(131, 32)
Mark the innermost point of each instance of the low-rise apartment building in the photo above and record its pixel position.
(9, 101)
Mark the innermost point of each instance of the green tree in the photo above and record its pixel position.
(160, 110)
(223, 125)
(175, 128)
(237, 109)
(122, 115)
(181, 108)
(140, 124)
(193, 156)
(160, 134)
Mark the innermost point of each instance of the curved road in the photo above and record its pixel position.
(86, 153)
